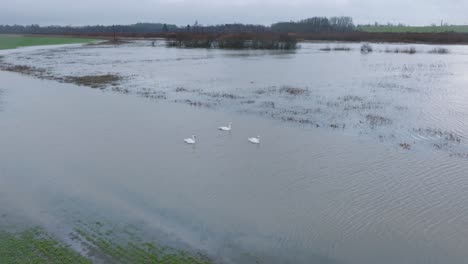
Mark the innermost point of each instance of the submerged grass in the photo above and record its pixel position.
(15, 41)
(439, 51)
(376, 120)
(407, 50)
(99, 243)
(116, 245)
(35, 246)
(293, 90)
(337, 48)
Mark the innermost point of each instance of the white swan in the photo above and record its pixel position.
(226, 128)
(191, 140)
(254, 140)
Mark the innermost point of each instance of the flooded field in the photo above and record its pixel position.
(415, 100)
(363, 156)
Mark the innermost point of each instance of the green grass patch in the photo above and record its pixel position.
(35, 246)
(15, 41)
(409, 29)
(122, 245)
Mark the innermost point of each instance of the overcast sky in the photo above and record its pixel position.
(182, 12)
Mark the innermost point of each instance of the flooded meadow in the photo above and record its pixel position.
(363, 159)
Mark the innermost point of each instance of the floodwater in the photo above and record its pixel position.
(306, 194)
(416, 99)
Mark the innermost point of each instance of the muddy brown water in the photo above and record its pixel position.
(304, 195)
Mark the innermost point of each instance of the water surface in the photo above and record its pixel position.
(304, 195)
(392, 98)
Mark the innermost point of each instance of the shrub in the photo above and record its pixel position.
(233, 41)
(439, 51)
(366, 48)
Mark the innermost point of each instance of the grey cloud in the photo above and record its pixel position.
(64, 12)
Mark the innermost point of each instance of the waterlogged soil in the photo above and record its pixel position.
(397, 98)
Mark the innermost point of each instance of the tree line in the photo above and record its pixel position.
(135, 28)
(310, 25)
(316, 25)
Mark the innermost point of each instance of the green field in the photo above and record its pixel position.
(424, 29)
(15, 41)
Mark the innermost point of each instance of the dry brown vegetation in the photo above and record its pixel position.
(21, 69)
(410, 50)
(337, 48)
(446, 135)
(405, 146)
(293, 90)
(152, 94)
(439, 51)
(376, 120)
(221, 95)
(95, 81)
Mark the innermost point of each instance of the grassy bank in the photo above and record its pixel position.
(15, 41)
(390, 37)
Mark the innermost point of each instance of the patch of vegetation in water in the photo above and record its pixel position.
(221, 95)
(151, 94)
(181, 89)
(27, 70)
(194, 103)
(24, 69)
(405, 146)
(437, 133)
(98, 243)
(248, 102)
(459, 155)
(366, 48)
(36, 246)
(439, 51)
(268, 91)
(267, 41)
(352, 98)
(115, 245)
(376, 120)
(337, 48)
(95, 81)
(407, 50)
(293, 90)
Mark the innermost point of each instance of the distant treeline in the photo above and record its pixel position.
(310, 25)
(98, 29)
(316, 25)
(315, 28)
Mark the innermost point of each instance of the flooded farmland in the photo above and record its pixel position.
(364, 157)
(415, 99)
